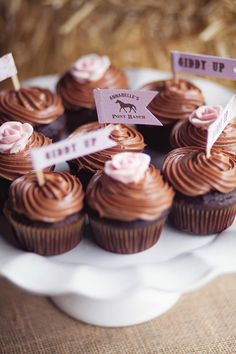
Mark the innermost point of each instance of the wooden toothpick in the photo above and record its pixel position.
(15, 82)
(174, 73)
(175, 78)
(208, 153)
(40, 177)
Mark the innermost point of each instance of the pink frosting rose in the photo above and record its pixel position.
(203, 116)
(14, 136)
(90, 67)
(127, 167)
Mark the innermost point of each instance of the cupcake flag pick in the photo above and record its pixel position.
(124, 106)
(71, 148)
(223, 119)
(201, 64)
(8, 70)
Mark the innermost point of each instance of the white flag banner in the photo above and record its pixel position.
(7, 67)
(71, 148)
(216, 128)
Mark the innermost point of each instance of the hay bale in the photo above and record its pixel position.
(46, 36)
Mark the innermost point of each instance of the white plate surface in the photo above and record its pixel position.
(106, 289)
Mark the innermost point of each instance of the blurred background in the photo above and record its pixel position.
(46, 36)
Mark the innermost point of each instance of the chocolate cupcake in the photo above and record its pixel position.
(174, 102)
(128, 204)
(47, 219)
(36, 106)
(193, 132)
(127, 139)
(16, 140)
(76, 87)
(205, 201)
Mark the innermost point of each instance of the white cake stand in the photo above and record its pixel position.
(112, 290)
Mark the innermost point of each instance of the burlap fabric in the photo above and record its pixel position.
(202, 322)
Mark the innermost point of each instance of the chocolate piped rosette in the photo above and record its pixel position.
(205, 200)
(47, 219)
(128, 204)
(193, 132)
(77, 84)
(34, 105)
(175, 101)
(127, 139)
(16, 140)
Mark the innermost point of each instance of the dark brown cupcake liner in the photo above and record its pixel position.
(79, 117)
(157, 137)
(195, 220)
(126, 240)
(83, 174)
(55, 130)
(4, 190)
(47, 241)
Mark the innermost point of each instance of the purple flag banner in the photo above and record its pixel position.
(201, 64)
(125, 106)
(216, 128)
(80, 145)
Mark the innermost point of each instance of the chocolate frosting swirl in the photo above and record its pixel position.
(61, 196)
(147, 199)
(191, 173)
(76, 95)
(175, 101)
(127, 138)
(13, 166)
(186, 134)
(32, 105)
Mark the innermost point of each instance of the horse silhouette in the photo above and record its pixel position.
(124, 105)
